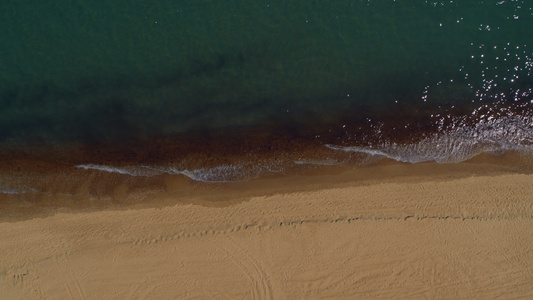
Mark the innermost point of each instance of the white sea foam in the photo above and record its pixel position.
(455, 144)
(132, 171)
(459, 143)
(221, 173)
(324, 162)
(14, 187)
(12, 184)
(10, 191)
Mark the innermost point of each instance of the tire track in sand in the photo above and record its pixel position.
(256, 275)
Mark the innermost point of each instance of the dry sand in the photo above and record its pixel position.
(455, 237)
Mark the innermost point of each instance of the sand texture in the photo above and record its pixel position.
(461, 238)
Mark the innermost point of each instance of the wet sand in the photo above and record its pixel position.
(387, 231)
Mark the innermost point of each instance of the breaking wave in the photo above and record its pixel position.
(10, 191)
(221, 173)
(459, 143)
(456, 143)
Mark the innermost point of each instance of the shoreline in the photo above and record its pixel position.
(459, 233)
(77, 191)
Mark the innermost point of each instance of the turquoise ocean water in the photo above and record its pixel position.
(409, 80)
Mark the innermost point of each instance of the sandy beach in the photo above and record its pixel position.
(461, 232)
(266, 150)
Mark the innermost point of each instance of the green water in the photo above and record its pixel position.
(109, 70)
